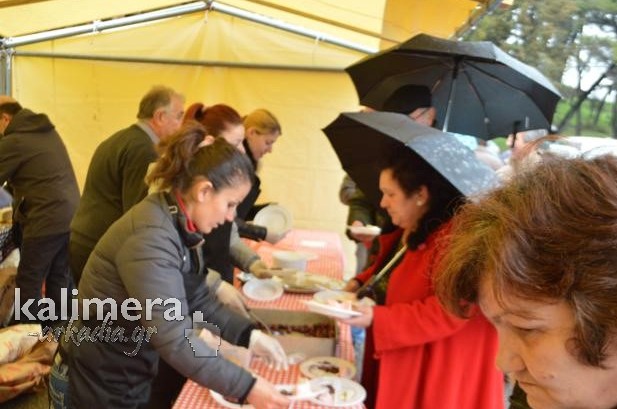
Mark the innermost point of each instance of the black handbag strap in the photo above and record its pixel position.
(385, 271)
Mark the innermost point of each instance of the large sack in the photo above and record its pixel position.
(24, 360)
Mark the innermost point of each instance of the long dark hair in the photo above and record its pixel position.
(411, 172)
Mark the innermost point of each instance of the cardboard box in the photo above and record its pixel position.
(310, 346)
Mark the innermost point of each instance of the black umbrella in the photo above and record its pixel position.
(477, 88)
(362, 139)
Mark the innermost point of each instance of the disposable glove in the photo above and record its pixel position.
(268, 348)
(259, 269)
(228, 295)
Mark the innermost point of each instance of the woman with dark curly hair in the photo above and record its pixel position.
(417, 355)
(538, 256)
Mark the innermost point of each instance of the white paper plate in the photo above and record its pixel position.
(223, 402)
(275, 217)
(342, 392)
(301, 391)
(330, 310)
(263, 290)
(368, 230)
(294, 392)
(322, 366)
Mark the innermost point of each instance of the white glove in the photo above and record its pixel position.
(269, 348)
(274, 236)
(228, 295)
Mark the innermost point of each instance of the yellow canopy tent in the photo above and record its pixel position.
(86, 63)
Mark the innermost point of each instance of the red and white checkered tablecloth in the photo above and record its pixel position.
(326, 246)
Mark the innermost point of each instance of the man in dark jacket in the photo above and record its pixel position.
(115, 179)
(35, 164)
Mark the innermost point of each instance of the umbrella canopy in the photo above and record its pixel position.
(477, 88)
(362, 139)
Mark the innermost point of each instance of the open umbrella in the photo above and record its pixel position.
(477, 88)
(362, 139)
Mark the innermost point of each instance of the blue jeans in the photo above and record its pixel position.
(358, 336)
(59, 384)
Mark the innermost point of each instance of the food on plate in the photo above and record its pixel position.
(287, 390)
(333, 396)
(301, 391)
(343, 304)
(328, 367)
(325, 367)
(338, 392)
(318, 330)
(300, 281)
(341, 299)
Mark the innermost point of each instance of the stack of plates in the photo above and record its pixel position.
(336, 304)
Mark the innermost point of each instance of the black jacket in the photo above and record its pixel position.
(36, 165)
(246, 210)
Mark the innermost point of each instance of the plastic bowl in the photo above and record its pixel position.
(289, 259)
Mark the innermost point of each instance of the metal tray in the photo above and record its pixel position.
(309, 346)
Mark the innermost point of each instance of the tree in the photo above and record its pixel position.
(550, 35)
(540, 33)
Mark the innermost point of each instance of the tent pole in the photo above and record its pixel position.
(269, 21)
(101, 25)
(6, 59)
(175, 11)
(171, 61)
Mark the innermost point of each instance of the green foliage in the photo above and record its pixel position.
(548, 34)
(539, 33)
(588, 113)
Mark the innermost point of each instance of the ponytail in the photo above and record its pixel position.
(184, 158)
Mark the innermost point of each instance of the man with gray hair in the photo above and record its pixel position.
(115, 179)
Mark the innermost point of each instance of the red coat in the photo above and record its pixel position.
(427, 358)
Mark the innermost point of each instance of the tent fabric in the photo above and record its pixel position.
(399, 19)
(88, 98)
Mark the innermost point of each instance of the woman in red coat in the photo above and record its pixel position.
(417, 355)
